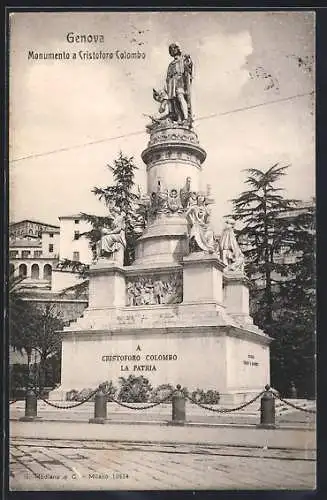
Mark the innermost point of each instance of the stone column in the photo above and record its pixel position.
(172, 156)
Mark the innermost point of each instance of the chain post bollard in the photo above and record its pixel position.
(30, 406)
(100, 408)
(267, 409)
(293, 391)
(178, 407)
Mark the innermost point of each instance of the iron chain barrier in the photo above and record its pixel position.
(229, 410)
(143, 407)
(296, 407)
(65, 407)
(168, 397)
(225, 410)
(79, 403)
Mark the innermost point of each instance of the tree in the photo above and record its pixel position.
(122, 192)
(126, 199)
(278, 242)
(263, 233)
(78, 290)
(294, 314)
(33, 329)
(46, 337)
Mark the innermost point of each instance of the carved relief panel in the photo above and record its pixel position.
(154, 290)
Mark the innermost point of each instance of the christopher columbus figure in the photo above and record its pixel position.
(178, 83)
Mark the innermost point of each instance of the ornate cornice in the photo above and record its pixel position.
(176, 331)
(197, 151)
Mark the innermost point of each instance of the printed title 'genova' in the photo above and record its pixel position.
(84, 38)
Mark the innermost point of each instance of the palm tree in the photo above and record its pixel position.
(21, 319)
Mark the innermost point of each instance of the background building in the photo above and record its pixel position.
(36, 248)
(72, 245)
(33, 252)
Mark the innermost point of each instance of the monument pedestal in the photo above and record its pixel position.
(171, 317)
(196, 345)
(236, 296)
(106, 285)
(202, 278)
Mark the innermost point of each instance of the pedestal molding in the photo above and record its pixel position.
(234, 279)
(172, 235)
(196, 258)
(133, 270)
(115, 268)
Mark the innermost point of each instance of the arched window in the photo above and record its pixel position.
(11, 269)
(47, 271)
(22, 270)
(35, 272)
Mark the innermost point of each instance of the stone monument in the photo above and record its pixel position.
(180, 313)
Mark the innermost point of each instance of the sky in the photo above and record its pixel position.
(68, 119)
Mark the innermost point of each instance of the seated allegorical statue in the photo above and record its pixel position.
(201, 235)
(113, 237)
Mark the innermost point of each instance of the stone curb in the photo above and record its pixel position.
(303, 439)
(109, 421)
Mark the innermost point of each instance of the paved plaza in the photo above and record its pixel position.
(134, 342)
(76, 455)
(43, 464)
